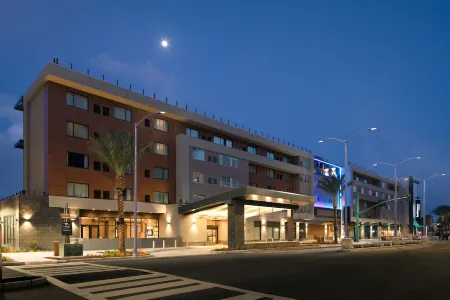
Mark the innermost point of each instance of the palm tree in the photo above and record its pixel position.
(443, 212)
(333, 186)
(116, 149)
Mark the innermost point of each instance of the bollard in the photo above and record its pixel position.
(153, 245)
(272, 240)
(266, 240)
(175, 243)
(164, 244)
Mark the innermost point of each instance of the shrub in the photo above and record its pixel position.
(6, 259)
(34, 246)
(6, 250)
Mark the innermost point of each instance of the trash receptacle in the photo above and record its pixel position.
(55, 248)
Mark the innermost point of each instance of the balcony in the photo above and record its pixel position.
(19, 104)
(19, 144)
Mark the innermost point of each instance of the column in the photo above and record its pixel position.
(371, 234)
(235, 224)
(297, 231)
(290, 229)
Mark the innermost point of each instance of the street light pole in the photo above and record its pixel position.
(346, 198)
(135, 178)
(424, 214)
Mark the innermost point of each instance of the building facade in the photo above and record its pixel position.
(191, 159)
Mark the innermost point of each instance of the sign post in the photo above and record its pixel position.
(66, 228)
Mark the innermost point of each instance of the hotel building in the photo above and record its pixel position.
(201, 182)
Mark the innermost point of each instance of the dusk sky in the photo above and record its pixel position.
(294, 70)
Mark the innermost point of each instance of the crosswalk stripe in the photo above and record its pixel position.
(245, 297)
(74, 271)
(146, 289)
(109, 281)
(130, 284)
(171, 292)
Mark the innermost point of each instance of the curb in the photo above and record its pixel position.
(385, 247)
(26, 282)
(11, 264)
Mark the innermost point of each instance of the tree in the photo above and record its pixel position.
(443, 212)
(333, 186)
(117, 150)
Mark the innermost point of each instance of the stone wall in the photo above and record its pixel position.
(10, 207)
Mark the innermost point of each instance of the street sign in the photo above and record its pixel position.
(66, 228)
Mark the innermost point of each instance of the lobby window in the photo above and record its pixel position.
(97, 109)
(77, 160)
(197, 177)
(251, 149)
(161, 197)
(160, 148)
(198, 154)
(105, 111)
(97, 166)
(77, 101)
(270, 173)
(252, 169)
(222, 141)
(97, 194)
(80, 190)
(270, 187)
(270, 155)
(122, 113)
(257, 230)
(228, 182)
(212, 180)
(147, 173)
(106, 195)
(192, 132)
(147, 198)
(128, 169)
(160, 173)
(160, 124)
(127, 194)
(273, 230)
(286, 177)
(105, 167)
(228, 161)
(77, 130)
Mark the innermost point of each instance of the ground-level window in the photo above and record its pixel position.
(257, 230)
(273, 230)
(106, 227)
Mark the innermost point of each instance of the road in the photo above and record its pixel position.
(415, 272)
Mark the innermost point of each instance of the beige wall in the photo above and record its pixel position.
(223, 232)
(169, 223)
(10, 207)
(34, 145)
(193, 233)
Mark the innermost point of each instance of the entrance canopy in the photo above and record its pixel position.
(258, 198)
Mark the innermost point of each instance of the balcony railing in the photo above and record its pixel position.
(19, 104)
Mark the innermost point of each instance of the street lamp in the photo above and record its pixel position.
(424, 232)
(165, 43)
(345, 142)
(395, 188)
(135, 176)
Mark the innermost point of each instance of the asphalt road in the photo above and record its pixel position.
(404, 273)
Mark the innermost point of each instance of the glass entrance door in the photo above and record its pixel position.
(212, 234)
(89, 231)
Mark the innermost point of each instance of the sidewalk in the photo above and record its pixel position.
(8, 273)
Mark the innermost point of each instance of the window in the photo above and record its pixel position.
(253, 184)
(270, 173)
(128, 170)
(212, 159)
(161, 197)
(77, 130)
(77, 160)
(97, 109)
(222, 141)
(197, 177)
(300, 177)
(77, 190)
(279, 176)
(228, 182)
(198, 197)
(147, 173)
(97, 194)
(362, 190)
(77, 101)
(354, 189)
(228, 161)
(257, 230)
(286, 177)
(192, 132)
(270, 155)
(212, 180)
(105, 194)
(147, 198)
(307, 179)
(376, 194)
(383, 185)
(161, 173)
(270, 187)
(252, 169)
(365, 181)
(97, 166)
(198, 154)
(105, 167)
(307, 163)
(160, 124)
(147, 123)
(160, 148)
(122, 113)
(127, 194)
(105, 111)
(251, 149)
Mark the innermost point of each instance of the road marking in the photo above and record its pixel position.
(153, 285)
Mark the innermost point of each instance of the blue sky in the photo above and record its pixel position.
(295, 70)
